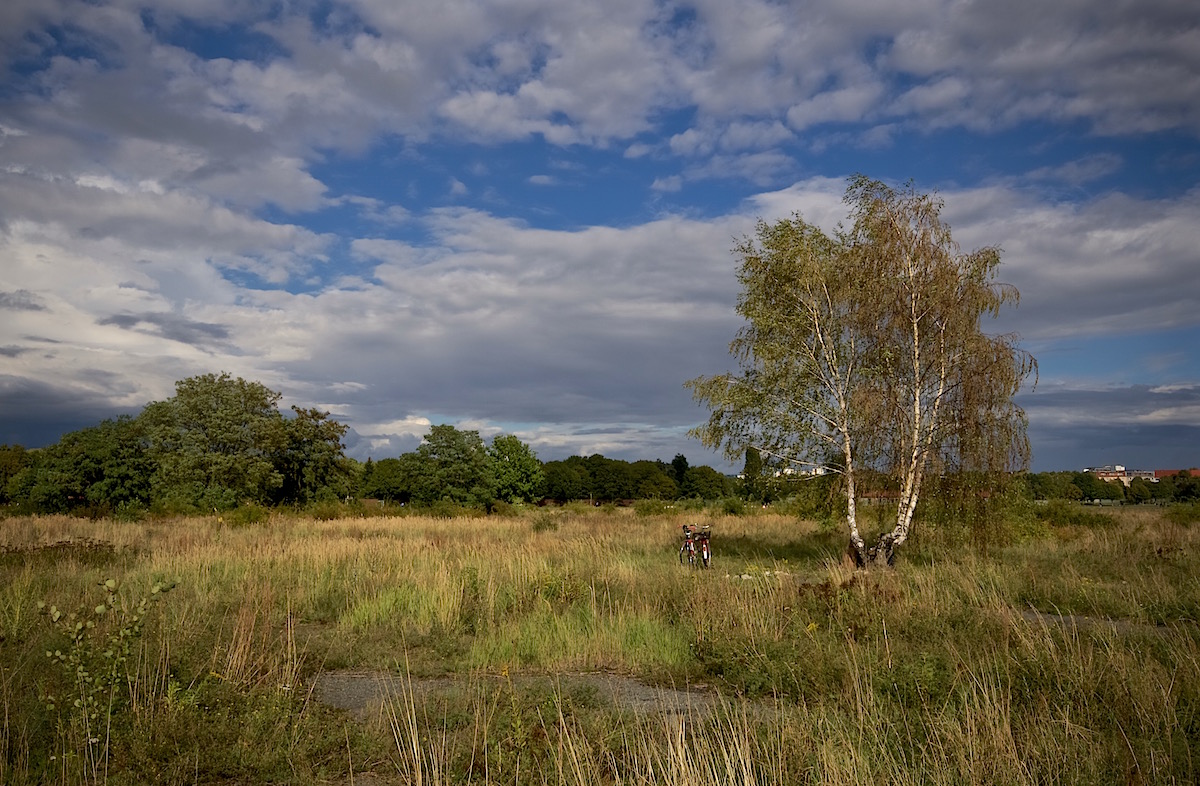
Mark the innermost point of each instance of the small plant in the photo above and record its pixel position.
(247, 514)
(93, 667)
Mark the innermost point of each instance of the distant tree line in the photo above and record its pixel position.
(1086, 486)
(221, 441)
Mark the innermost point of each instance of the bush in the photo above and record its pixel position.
(248, 514)
(732, 506)
(326, 511)
(654, 507)
(501, 508)
(1059, 513)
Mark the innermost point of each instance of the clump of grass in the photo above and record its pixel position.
(1184, 514)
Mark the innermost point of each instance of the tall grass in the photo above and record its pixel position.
(1071, 657)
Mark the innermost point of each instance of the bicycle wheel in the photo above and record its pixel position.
(705, 555)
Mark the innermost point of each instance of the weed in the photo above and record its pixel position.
(93, 676)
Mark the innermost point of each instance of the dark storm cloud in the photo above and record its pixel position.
(1140, 426)
(36, 414)
(21, 300)
(170, 326)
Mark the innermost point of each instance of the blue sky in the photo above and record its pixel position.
(517, 216)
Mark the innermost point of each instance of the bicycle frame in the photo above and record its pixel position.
(695, 544)
(688, 549)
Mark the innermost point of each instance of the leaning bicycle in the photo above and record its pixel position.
(695, 549)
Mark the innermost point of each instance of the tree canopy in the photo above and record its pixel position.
(866, 347)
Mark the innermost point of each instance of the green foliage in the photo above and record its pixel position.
(215, 442)
(867, 344)
(311, 463)
(245, 515)
(389, 479)
(94, 471)
(1061, 513)
(732, 506)
(13, 459)
(705, 483)
(452, 466)
(655, 507)
(567, 480)
(516, 471)
(752, 475)
(93, 677)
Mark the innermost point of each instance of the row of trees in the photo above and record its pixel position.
(217, 442)
(220, 441)
(1183, 487)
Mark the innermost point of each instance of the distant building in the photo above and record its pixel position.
(1120, 472)
(1159, 474)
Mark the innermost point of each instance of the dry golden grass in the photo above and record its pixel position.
(946, 670)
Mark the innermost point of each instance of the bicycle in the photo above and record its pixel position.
(695, 546)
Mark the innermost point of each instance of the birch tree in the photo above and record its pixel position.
(802, 352)
(868, 345)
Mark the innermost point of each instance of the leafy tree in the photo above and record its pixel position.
(1139, 491)
(393, 479)
(312, 463)
(868, 343)
(679, 468)
(98, 469)
(13, 459)
(752, 475)
(704, 483)
(1187, 486)
(651, 481)
(611, 479)
(216, 442)
(567, 480)
(1090, 485)
(452, 465)
(515, 467)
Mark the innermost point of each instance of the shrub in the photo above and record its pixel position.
(654, 507)
(732, 506)
(1060, 513)
(248, 514)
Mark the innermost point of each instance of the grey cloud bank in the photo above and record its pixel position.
(327, 198)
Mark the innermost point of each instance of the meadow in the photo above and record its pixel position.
(188, 650)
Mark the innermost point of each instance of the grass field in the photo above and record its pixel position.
(1069, 657)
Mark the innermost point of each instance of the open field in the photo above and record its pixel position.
(1071, 657)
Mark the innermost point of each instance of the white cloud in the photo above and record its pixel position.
(668, 184)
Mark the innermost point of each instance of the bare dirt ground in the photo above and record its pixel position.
(367, 694)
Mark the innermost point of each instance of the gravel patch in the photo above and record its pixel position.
(368, 693)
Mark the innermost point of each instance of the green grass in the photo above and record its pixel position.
(959, 666)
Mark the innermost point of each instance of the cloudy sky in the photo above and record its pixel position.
(516, 216)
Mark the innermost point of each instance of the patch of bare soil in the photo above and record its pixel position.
(367, 694)
(1079, 622)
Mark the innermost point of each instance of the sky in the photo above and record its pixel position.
(518, 216)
